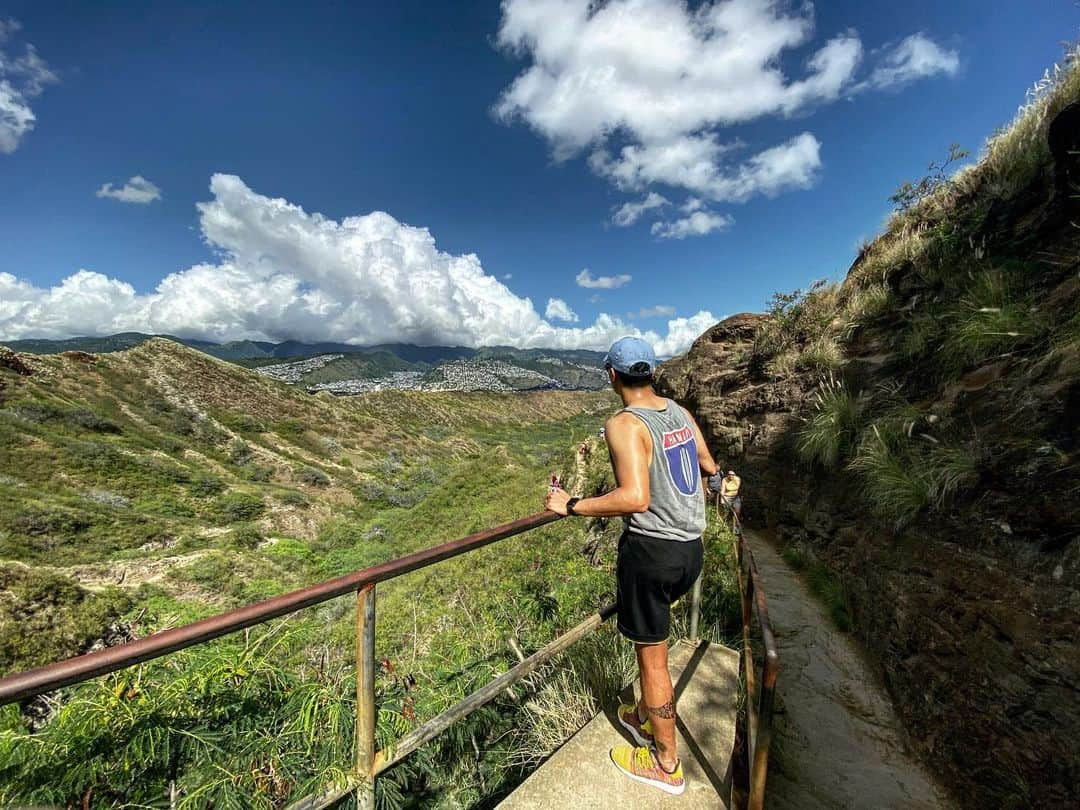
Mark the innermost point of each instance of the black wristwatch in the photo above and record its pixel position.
(570, 504)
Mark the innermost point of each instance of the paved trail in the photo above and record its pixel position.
(839, 743)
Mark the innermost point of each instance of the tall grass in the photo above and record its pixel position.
(1016, 152)
(895, 486)
(991, 319)
(833, 427)
(900, 475)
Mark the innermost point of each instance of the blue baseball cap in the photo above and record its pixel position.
(632, 356)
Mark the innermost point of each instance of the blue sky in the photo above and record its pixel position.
(773, 165)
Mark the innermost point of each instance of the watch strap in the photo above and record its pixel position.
(570, 504)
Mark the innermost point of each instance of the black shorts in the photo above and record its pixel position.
(651, 574)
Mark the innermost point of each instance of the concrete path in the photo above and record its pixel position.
(838, 742)
(580, 774)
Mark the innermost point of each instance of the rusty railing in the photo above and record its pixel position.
(759, 697)
(369, 761)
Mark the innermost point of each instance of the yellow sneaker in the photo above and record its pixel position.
(643, 765)
(628, 719)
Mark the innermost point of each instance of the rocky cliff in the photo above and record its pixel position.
(913, 431)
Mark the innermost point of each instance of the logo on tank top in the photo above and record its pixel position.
(680, 452)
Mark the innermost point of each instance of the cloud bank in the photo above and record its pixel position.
(646, 87)
(22, 78)
(286, 274)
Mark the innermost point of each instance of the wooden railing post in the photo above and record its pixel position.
(365, 696)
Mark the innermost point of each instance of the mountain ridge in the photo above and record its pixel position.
(345, 369)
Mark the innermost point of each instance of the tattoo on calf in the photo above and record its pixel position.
(665, 712)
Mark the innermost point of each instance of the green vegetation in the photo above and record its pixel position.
(833, 427)
(900, 467)
(954, 295)
(220, 488)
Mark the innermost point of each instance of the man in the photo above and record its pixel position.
(729, 495)
(658, 453)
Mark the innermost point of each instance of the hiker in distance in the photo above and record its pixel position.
(729, 495)
(658, 453)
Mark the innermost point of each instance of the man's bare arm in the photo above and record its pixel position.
(705, 459)
(628, 441)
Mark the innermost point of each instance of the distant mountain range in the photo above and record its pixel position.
(342, 368)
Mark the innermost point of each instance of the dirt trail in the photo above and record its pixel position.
(838, 742)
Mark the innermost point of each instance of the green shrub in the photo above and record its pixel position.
(240, 452)
(911, 195)
(82, 418)
(239, 506)
(246, 536)
(163, 503)
(834, 426)
(311, 475)
(243, 423)
(796, 318)
(49, 521)
(45, 617)
(340, 533)
(88, 420)
(204, 484)
(289, 549)
(290, 428)
(258, 473)
(37, 412)
(294, 498)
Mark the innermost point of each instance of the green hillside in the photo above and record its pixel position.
(150, 487)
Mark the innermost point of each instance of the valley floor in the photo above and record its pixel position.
(838, 742)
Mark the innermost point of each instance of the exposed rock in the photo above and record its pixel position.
(80, 357)
(12, 361)
(971, 613)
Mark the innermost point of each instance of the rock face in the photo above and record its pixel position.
(971, 612)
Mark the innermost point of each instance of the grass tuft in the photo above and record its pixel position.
(833, 427)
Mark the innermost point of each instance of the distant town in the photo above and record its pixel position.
(456, 375)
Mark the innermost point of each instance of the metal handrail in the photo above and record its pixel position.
(80, 668)
(369, 760)
(759, 698)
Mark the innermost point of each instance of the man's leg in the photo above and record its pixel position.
(658, 700)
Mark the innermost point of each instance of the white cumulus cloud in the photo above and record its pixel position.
(137, 190)
(590, 282)
(629, 213)
(698, 223)
(22, 78)
(285, 274)
(559, 310)
(645, 87)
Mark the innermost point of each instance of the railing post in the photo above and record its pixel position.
(365, 696)
(759, 765)
(695, 608)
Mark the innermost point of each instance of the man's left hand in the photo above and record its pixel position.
(556, 500)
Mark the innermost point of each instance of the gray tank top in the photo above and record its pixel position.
(676, 506)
